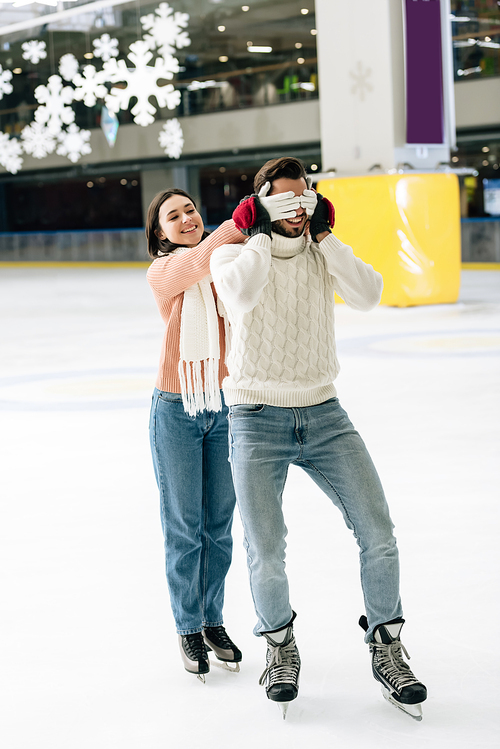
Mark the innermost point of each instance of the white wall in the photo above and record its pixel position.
(280, 125)
(477, 103)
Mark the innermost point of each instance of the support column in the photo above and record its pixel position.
(361, 66)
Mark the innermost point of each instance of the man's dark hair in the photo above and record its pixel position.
(285, 166)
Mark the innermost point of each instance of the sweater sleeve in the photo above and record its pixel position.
(356, 282)
(241, 273)
(171, 275)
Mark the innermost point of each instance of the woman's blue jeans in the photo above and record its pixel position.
(264, 441)
(190, 456)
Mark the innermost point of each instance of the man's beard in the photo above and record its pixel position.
(278, 228)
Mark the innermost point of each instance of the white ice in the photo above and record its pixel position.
(89, 651)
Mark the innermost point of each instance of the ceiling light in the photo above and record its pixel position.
(304, 11)
(88, 55)
(314, 167)
(249, 44)
(485, 149)
(314, 32)
(486, 162)
(221, 28)
(17, 71)
(223, 58)
(454, 158)
(266, 50)
(244, 8)
(300, 60)
(298, 45)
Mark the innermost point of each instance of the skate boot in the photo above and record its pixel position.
(217, 640)
(400, 686)
(281, 676)
(194, 655)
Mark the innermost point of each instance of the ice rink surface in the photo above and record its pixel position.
(89, 652)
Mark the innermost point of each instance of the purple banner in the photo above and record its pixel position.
(424, 72)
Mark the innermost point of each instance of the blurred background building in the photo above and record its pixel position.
(102, 104)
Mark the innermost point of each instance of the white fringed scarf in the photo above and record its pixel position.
(199, 344)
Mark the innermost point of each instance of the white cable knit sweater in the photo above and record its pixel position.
(278, 294)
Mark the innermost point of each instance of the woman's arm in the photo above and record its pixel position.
(171, 275)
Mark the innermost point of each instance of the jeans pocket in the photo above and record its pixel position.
(169, 397)
(245, 409)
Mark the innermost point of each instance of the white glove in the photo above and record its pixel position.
(308, 201)
(279, 206)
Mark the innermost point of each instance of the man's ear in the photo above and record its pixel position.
(309, 181)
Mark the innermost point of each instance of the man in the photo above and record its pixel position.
(278, 290)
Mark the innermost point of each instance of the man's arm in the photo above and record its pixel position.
(356, 282)
(241, 273)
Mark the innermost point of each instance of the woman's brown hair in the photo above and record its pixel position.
(157, 246)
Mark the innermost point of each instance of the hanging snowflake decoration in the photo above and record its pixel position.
(165, 30)
(73, 143)
(171, 138)
(90, 86)
(105, 47)
(10, 153)
(5, 85)
(68, 66)
(38, 140)
(54, 98)
(142, 83)
(34, 51)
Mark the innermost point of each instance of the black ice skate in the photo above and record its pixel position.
(194, 655)
(400, 686)
(217, 640)
(281, 676)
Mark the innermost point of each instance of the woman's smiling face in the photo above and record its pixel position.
(180, 222)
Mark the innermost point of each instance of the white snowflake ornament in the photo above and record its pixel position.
(105, 47)
(171, 138)
(54, 98)
(37, 140)
(10, 153)
(90, 86)
(34, 51)
(5, 85)
(165, 27)
(73, 143)
(68, 66)
(141, 83)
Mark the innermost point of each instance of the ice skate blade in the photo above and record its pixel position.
(283, 706)
(414, 711)
(235, 669)
(201, 677)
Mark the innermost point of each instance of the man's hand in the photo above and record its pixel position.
(322, 220)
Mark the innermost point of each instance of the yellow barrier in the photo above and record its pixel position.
(408, 227)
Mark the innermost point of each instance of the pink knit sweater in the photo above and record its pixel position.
(169, 277)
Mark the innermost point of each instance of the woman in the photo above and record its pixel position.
(188, 427)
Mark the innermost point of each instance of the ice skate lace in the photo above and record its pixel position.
(283, 664)
(219, 636)
(388, 662)
(194, 647)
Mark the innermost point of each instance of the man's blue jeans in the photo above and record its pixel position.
(264, 441)
(190, 457)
